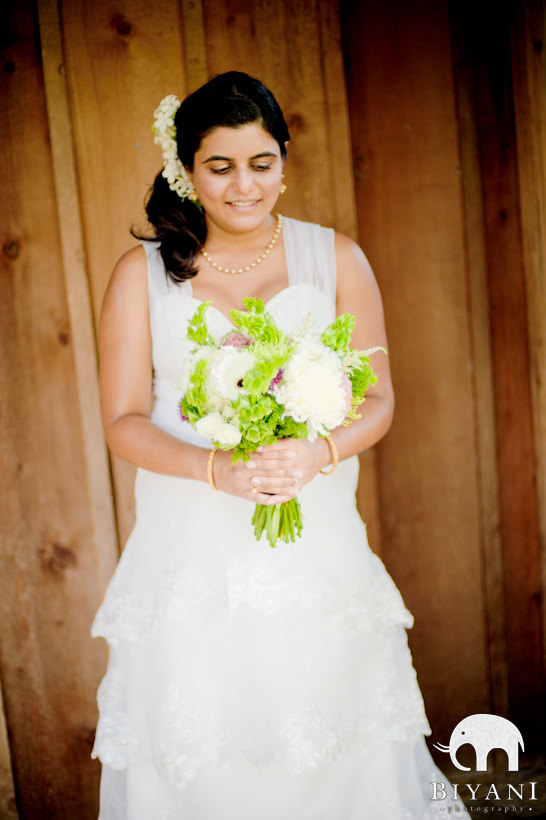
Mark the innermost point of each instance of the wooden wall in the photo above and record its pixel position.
(429, 145)
(448, 104)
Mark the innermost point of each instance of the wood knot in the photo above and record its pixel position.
(63, 337)
(57, 559)
(11, 249)
(122, 25)
(296, 123)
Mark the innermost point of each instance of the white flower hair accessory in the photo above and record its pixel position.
(165, 136)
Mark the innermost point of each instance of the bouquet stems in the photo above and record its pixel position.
(280, 521)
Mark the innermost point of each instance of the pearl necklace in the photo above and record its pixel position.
(257, 261)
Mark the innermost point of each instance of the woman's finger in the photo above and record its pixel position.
(284, 487)
(283, 449)
(270, 464)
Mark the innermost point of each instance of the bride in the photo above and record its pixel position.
(245, 682)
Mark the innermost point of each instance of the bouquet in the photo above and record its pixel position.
(257, 384)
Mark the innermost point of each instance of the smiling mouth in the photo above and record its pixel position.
(244, 203)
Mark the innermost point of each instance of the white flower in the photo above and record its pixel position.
(210, 425)
(214, 427)
(228, 435)
(312, 388)
(229, 369)
(165, 136)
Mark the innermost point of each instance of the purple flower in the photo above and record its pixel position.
(276, 380)
(236, 339)
(181, 414)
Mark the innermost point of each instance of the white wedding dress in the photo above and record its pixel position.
(245, 682)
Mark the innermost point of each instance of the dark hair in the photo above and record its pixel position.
(231, 99)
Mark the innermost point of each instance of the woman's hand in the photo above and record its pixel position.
(274, 474)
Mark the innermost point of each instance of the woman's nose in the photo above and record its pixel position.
(243, 180)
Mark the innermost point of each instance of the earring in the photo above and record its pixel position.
(193, 195)
(282, 189)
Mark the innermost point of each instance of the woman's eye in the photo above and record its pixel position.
(223, 170)
(262, 167)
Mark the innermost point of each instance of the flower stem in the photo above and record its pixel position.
(281, 522)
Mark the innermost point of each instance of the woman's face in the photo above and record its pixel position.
(237, 175)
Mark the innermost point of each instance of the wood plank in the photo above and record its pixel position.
(406, 155)
(49, 586)
(120, 63)
(195, 49)
(486, 433)
(336, 114)
(490, 33)
(77, 290)
(8, 807)
(529, 84)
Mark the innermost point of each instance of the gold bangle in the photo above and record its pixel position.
(335, 457)
(210, 477)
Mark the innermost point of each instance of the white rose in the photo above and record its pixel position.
(209, 425)
(228, 435)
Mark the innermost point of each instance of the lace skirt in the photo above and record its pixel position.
(281, 676)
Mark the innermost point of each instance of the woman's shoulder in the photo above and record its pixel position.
(355, 274)
(129, 276)
(132, 264)
(127, 289)
(348, 251)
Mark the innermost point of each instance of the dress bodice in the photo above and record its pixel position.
(311, 264)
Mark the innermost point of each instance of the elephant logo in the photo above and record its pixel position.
(484, 732)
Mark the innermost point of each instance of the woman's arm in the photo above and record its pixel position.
(125, 363)
(125, 366)
(357, 293)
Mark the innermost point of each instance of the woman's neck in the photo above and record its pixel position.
(220, 238)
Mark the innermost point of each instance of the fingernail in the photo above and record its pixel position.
(251, 465)
(260, 449)
(297, 473)
(290, 454)
(256, 482)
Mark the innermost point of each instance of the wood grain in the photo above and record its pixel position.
(49, 580)
(8, 807)
(195, 49)
(511, 365)
(478, 291)
(77, 290)
(529, 92)
(406, 156)
(120, 63)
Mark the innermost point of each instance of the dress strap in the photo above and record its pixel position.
(310, 256)
(158, 282)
